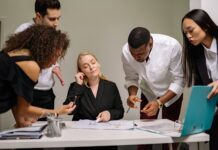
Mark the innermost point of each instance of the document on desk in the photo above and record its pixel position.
(110, 125)
(159, 126)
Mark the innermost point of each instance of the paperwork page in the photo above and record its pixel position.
(159, 126)
(110, 125)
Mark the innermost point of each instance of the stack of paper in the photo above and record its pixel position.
(32, 132)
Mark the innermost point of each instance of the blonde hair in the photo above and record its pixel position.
(84, 53)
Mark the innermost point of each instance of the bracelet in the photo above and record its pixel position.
(160, 104)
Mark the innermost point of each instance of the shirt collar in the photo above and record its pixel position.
(213, 47)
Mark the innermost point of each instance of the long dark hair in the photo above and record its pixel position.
(42, 42)
(191, 52)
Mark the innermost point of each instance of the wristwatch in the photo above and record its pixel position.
(160, 104)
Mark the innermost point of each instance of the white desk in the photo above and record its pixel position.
(85, 137)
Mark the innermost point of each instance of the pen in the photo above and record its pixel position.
(153, 131)
(98, 119)
(75, 99)
(136, 99)
(128, 110)
(149, 130)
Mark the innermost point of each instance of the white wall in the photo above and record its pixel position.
(100, 26)
(210, 6)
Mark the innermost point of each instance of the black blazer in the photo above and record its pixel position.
(88, 107)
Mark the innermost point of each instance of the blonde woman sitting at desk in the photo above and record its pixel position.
(96, 98)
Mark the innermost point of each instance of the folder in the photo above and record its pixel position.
(32, 132)
(200, 111)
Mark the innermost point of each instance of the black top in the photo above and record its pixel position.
(202, 77)
(13, 81)
(88, 107)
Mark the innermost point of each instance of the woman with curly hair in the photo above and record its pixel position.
(24, 55)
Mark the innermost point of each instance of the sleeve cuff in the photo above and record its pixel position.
(128, 84)
(176, 88)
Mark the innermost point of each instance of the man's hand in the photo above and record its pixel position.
(151, 108)
(131, 100)
(57, 71)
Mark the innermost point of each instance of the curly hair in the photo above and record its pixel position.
(43, 42)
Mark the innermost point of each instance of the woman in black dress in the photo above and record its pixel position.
(21, 59)
(96, 97)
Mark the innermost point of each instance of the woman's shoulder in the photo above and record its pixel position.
(10, 67)
(30, 68)
(25, 62)
(108, 82)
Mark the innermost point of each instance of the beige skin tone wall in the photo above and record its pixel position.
(100, 26)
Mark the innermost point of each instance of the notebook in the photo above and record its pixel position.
(32, 132)
(200, 111)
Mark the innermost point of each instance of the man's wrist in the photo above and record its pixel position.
(160, 104)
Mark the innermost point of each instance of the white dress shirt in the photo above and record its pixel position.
(162, 72)
(46, 79)
(24, 26)
(211, 60)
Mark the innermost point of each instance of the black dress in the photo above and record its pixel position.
(13, 81)
(88, 106)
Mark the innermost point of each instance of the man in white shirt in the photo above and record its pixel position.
(47, 12)
(154, 61)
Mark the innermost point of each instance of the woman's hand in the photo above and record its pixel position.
(104, 116)
(66, 109)
(214, 90)
(79, 78)
(24, 122)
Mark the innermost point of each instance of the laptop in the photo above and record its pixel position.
(200, 111)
